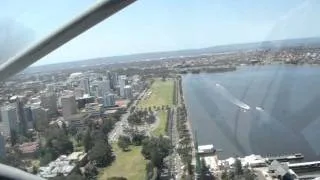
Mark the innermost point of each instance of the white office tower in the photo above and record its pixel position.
(122, 84)
(109, 100)
(128, 92)
(84, 84)
(8, 120)
(69, 105)
(49, 101)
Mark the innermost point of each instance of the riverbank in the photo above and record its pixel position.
(186, 148)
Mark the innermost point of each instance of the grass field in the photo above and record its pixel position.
(162, 94)
(161, 129)
(129, 164)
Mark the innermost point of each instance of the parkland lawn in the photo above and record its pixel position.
(162, 94)
(161, 129)
(130, 164)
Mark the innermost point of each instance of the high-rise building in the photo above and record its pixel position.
(28, 117)
(8, 120)
(106, 83)
(128, 92)
(103, 87)
(109, 75)
(84, 84)
(122, 84)
(69, 105)
(2, 146)
(49, 101)
(109, 100)
(21, 119)
(94, 89)
(113, 77)
(40, 117)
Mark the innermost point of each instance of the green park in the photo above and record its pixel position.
(131, 163)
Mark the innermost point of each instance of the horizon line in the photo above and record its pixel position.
(176, 50)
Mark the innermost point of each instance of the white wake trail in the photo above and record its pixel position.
(231, 98)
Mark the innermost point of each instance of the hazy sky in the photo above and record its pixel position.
(162, 25)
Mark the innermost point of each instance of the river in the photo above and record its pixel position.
(267, 110)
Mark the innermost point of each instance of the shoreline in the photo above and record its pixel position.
(188, 123)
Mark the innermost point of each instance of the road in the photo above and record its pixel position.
(175, 164)
(119, 126)
(175, 160)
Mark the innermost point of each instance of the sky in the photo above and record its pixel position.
(158, 25)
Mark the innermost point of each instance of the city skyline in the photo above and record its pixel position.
(163, 26)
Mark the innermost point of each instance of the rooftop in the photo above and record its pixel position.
(111, 111)
(304, 164)
(206, 148)
(62, 165)
(77, 156)
(29, 147)
(77, 116)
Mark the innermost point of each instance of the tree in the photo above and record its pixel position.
(73, 130)
(151, 119)
(12, 159)
(137, 137)
(64, 127)
(156, 149)
(57, 143)
(101, 153)
(46, 158)
(238, 167)
(136, 118)
(79, 137)
(62, 145)
(107, 126)
(90, 171)
(205, 172)
(72, 176)
(124, 142)
(248, 174)
(224, 175)
(149, 170)
(87, 141)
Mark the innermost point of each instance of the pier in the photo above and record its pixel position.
(285, 158)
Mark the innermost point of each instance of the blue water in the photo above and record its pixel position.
(257, 109)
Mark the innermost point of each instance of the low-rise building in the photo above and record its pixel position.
(78, 121)
(64, 165)
(29, 149)
(94, 109)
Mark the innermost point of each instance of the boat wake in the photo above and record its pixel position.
(224, 92)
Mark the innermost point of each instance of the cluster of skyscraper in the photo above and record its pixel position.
(24, 112)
